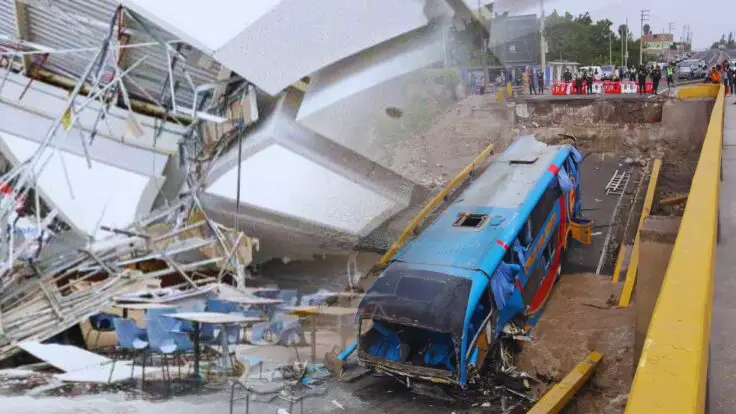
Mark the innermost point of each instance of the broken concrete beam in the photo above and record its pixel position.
(672, 200)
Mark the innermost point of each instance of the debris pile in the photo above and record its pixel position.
(582, 316)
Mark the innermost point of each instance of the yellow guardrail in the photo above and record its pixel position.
(698, 91)
(673, 368)
(561, 393)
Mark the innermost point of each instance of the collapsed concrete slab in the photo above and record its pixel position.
(275, 43)
(298, 185)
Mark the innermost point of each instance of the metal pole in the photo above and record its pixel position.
(623, 62)
(626, 43)
(610, 50)
(444, 47)
(644, 17)
(542, 41)
(483, 50)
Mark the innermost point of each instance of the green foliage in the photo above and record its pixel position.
(728, 44)
(582, 40)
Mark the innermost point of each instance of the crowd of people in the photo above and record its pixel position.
(723, 73)
(640, 75)
(535, 80)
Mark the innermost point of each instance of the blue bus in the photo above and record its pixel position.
(480, 273)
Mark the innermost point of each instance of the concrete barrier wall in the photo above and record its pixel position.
(705, 90)
(672, 371)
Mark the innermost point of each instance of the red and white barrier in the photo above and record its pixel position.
(606, 87)
(629, 88)
(597, 87)
(612, 88)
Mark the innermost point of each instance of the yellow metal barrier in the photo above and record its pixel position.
(703, 90)
(625, 298)
(557, 398)
(672, 371)
(432, 204)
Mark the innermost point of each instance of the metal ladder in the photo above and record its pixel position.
(617, 183)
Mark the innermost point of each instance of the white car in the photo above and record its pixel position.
(597, 71)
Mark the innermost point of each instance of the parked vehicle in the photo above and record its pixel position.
(690, 69)
(607, 72)
(452, 300)
(596, 70)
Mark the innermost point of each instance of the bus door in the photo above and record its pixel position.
(579, 227)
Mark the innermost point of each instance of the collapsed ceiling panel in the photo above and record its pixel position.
(275, 43)
(306, 190)
(85, 197)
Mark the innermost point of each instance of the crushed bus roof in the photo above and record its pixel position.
(495, 195)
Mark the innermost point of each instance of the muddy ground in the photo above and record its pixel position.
(581, 317)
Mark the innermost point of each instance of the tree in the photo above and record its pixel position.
(647, 29)
(581, 40)
(728, 44)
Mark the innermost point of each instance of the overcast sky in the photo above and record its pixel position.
(706, 23)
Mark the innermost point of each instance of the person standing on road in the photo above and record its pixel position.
(567, 76)
(579, 82)
(732, 78)
(590, 80)
(642, 75)
(530, 81)
(540, 78)
(656, 77)
(670, 76)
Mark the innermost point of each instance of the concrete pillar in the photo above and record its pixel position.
(658, 234)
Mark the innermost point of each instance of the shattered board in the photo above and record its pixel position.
(581, 317)
(64, 357)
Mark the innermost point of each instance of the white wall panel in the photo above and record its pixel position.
(207, 25)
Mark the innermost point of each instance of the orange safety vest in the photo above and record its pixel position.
(715, 77)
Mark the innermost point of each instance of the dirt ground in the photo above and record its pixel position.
(581, 317)
(453, 139)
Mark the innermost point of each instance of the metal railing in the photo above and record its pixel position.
(672, 371)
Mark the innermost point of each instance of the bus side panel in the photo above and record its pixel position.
(541, 296)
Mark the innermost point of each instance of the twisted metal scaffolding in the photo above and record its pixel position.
(48, 284)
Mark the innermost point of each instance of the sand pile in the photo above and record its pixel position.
(580, 317)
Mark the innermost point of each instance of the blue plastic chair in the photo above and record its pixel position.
(291, 333)
(164, 336)
(130, 338)
(207, 333)
(259, 332)
(196, 306)
(288, 296)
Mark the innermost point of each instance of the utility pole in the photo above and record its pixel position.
(542, 41)
(610, 51)
(623, 61)
(671, 31)
(626, 43)
(483, 51)
(644, 17)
